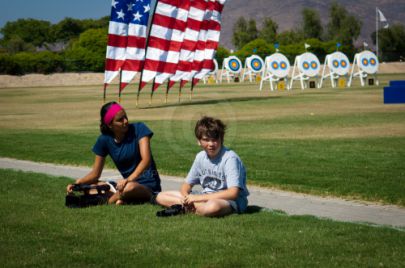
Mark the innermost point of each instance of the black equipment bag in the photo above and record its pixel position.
(83, 195)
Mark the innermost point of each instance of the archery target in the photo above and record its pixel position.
(368, 62)
(255, 63)
(339, 63)
(278, 65)
(233, 64)
(308, 64)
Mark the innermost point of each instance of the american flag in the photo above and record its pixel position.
(194, 21)
(204, 59)
(127, 34)
(165, 40)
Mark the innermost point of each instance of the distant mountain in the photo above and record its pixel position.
(287, 14)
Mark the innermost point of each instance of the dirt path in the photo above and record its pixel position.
(289, 202)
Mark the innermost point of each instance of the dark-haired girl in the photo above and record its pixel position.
(129, 147)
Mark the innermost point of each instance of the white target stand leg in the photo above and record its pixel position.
(261, 81)
(271, 79)
(367, 64)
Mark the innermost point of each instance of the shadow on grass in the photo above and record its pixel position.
(208, 102)
(253, 209)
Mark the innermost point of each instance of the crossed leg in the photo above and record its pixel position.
(133, 192)
(210, 208)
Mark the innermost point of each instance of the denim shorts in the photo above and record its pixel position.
(239, 205)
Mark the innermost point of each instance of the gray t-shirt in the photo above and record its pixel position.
(221, 173)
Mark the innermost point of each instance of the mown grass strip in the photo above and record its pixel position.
(37, 230)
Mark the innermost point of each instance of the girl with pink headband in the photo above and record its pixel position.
(129, 147)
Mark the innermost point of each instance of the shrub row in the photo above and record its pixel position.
(82, 59)
(46, 62)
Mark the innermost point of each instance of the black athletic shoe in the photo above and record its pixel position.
(152, 199)
(171, 211)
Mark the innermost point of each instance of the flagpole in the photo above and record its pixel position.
(167, 90)
(151, 93)
(105, 92)
(146, 51)
(376, 27)
(181, 83)
(192, 88)
(119, 87)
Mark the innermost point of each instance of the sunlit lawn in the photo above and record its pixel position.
(341, 142)
(36, 230)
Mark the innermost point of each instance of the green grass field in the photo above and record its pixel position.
(38, 231)
(336, 142)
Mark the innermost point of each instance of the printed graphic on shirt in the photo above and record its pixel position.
(212, 183)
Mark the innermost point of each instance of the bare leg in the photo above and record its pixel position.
(133, 192)
(169, 198)
(114, 198)
(213, 208)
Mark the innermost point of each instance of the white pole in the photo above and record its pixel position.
(376, 27)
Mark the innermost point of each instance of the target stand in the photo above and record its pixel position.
(253, 67)
(365, 64)
(276, 70)
(231, 67)
(306, 67)
(336, 67)
(213, 73)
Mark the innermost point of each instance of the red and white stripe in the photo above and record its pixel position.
(135, 53)
(194, 22)
(204, 59)
(165, 40)
(116, 47)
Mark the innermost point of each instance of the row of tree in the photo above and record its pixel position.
(84, 54)
(31, 34)
(36, 46)
(342, 28)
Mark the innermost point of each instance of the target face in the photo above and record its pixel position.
(255, 63)
(368, 62)
(215, 67)
(339, 63)
(308, 64)
(233, 64)
(278, 65)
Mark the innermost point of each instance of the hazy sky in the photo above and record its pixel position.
(53, 10)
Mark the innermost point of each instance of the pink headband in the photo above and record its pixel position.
(112, 111)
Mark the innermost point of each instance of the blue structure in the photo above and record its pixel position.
(395, 92)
